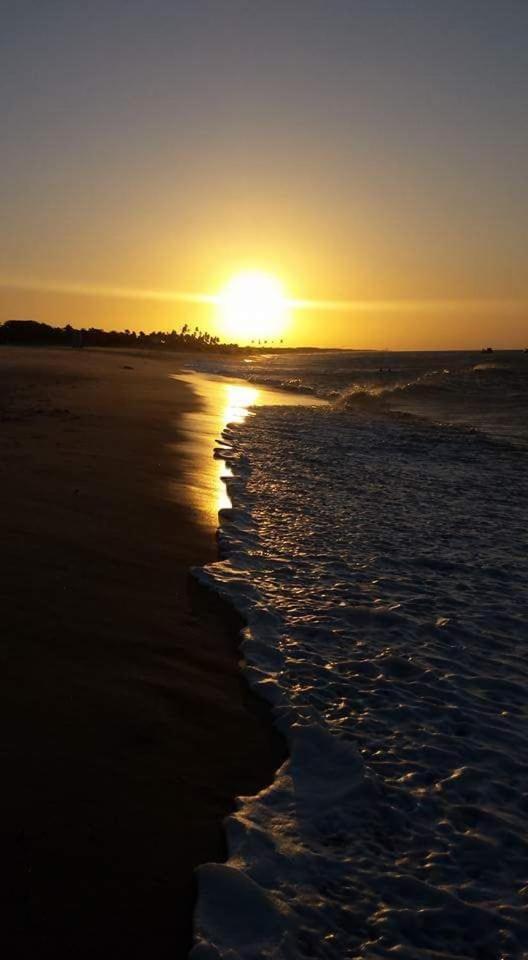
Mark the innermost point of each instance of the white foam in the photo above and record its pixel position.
(379, 566)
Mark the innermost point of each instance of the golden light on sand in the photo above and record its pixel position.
(238, 399)
(253, 308)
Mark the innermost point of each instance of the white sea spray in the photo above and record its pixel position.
(381, 567)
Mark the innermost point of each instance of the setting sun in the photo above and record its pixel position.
(253, 306)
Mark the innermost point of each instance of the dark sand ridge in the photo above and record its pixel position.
(126, 727)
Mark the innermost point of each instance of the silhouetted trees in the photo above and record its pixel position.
(30, 332)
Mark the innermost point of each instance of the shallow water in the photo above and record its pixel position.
(485, 391)
(381, 565)
(222, 401)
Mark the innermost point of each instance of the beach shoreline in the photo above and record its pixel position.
(128, 727)
(378, 561)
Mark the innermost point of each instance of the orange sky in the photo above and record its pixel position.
(370, 324)
(373, 154)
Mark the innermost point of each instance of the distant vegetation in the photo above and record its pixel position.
(30, 332)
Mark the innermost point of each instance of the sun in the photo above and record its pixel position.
(253, 307)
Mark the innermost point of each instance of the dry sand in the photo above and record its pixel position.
(126, 728)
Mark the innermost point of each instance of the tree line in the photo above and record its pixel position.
(32, 332)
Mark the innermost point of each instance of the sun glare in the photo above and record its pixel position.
(253, 307)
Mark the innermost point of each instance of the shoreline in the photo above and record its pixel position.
(117, 691)
(228, 403)
(376, 625)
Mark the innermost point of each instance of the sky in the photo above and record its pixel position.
(370, 154)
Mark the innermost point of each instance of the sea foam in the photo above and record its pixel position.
(380, 565)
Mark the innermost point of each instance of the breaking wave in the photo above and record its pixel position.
(490, 395)
(379, 564)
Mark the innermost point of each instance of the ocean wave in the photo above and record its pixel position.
(432, 379)
(488, 395)
(386, 632)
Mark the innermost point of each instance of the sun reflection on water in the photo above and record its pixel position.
(204, 474)
(238, 399)
(221, 403)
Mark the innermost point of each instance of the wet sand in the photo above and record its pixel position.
(222, 401)
(126, 727)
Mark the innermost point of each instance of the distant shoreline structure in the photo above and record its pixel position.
(34, 333)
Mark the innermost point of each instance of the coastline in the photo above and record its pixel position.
(128, 726)
(394, 673)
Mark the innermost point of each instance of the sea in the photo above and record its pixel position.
(377, 550)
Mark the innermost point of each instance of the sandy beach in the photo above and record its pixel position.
(126, 726)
